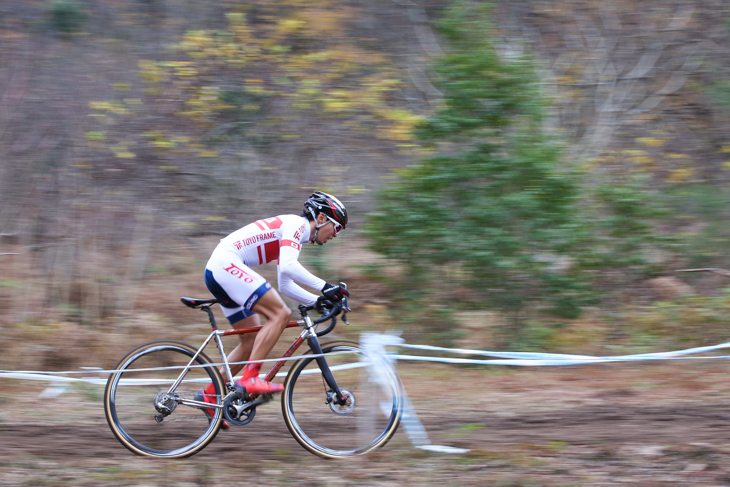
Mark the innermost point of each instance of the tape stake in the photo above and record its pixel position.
(374, 346)
(413, 426)
(54, 391)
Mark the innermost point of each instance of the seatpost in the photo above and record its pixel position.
(211, 318)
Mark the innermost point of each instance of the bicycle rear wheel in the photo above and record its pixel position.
(368, 419)
(171, 429)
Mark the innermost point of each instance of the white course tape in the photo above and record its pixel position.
(374, 346)
(552, 359)
(504, 358)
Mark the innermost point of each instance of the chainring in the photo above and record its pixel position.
(237, 411)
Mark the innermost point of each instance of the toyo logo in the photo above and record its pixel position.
(236, 271)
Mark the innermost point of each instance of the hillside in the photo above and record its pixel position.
(136, 133)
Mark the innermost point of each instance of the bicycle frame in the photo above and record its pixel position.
(309, 333)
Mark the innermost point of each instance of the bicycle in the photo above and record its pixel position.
(338, 399)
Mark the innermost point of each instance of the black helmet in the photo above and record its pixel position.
(320, 202)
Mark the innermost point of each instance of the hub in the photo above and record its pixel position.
(343, 406)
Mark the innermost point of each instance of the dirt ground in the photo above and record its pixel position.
(616, 424)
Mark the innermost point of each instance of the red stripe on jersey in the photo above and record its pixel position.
(269, 223)
(272, 250)
(291, 243)
(261, 257)
(273, 223)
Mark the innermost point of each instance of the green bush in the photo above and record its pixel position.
(67, 16)
(701, 213)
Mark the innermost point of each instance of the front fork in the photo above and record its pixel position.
(316, 348)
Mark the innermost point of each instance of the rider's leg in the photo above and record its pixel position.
(242, 352)
(238, 354)
(278, 315)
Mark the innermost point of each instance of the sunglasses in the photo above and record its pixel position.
(338, 227)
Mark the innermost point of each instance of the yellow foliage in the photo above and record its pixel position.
(643, 161)
(164, 144)
(680, 175)
(634, 153)
(152, 71)
(122, 152)
(117, 108)
(95, 135)
(650, 141)
(291, 25)
(639, 157)
(339, 78)
(100, 105)
(403, 123)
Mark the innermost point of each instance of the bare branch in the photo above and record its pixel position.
(420, 80)
(675, 83)
(681, 18)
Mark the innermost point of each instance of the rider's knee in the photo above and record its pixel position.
(282, 314)
(285, 313)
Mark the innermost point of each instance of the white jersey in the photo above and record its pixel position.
(280, 237)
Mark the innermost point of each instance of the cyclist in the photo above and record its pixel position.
(244, 294)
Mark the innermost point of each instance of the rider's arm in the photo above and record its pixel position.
(290, 272)
(291, 289)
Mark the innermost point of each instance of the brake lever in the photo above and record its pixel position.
(345, 305)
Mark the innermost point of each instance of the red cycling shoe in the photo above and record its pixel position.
(202, 395)
(253, 383)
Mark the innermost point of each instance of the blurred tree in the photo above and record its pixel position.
(497, 203)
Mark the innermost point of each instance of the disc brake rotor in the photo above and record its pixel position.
(342, 408)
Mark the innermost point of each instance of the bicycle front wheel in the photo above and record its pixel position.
(149, 418)
(368, 418)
